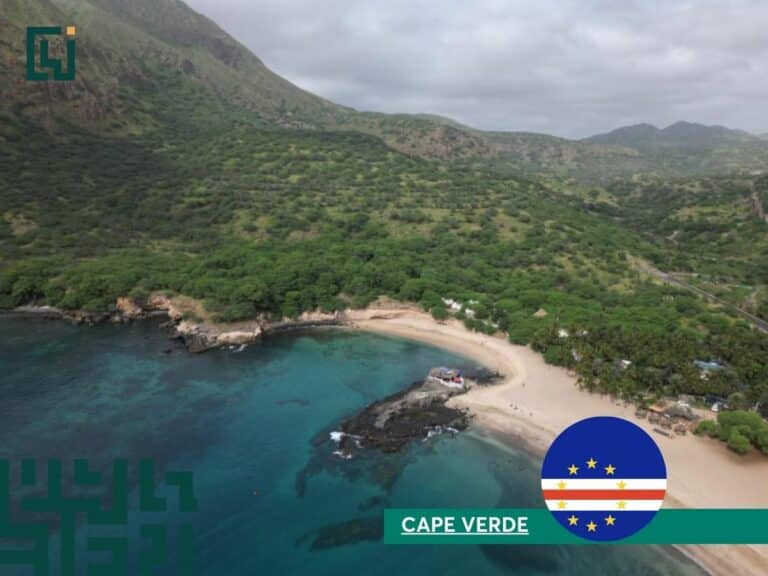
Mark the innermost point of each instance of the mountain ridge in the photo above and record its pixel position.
(680, 134)
(145, 66)
(138, 60)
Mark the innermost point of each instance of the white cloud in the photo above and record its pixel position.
(567, 67)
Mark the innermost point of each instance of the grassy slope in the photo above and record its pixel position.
(128, 49)
(709, 229)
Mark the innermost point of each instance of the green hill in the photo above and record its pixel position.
(143, 63)
(681, 150)
(146, 65)
(713, 231)
(677, 135)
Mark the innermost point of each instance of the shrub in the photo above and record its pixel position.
(439, 312)
(708, 427)
(738, 442)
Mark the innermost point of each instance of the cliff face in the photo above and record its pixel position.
(200, 332)
(190, 322)
(129, 309)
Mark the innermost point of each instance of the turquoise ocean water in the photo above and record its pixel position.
(253, 426)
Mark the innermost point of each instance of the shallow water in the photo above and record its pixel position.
(253, 426)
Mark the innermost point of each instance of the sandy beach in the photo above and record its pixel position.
(536, 401)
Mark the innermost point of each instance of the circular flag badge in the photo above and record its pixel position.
(604, 478)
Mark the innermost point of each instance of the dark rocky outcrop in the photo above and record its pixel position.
(366, 529)
(390, 424)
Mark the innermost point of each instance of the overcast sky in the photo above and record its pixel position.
(565, 67)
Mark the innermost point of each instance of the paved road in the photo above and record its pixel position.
(758, 323)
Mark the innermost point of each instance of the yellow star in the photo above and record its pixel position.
(610, 520)
(610, 469)
(622, 505)
(621, 484)
(561, 504)
(573, 470)
(573, 521)
(591, 527)
(591, 463)
(561, 485)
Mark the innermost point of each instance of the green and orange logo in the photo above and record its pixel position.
(40, 64)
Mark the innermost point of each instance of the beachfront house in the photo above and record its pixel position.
(456, 306)
(447, 377)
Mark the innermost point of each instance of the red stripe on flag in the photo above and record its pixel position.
(604, 494)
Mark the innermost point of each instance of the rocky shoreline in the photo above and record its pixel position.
(198, 335)
(416, 413)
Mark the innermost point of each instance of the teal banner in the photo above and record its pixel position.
(537, 526)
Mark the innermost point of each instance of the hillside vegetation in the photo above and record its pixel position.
(178, 162)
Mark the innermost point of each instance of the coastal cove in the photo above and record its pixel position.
(537, 400)
(255, 427)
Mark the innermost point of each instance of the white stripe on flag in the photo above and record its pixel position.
(604, 483)
(603, 505)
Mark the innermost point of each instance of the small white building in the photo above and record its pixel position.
(456, 306)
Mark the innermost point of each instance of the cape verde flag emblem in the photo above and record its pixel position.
(604, 478)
